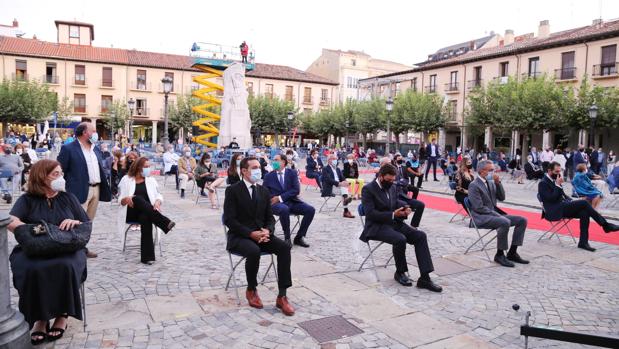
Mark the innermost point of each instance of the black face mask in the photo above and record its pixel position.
(7, 151)
(129, 163)
(386, 184)
(554, 176)
(582, 149)
(469, 166)
(400, 162)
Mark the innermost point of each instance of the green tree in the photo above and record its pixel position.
(116, 117)
(181, 115)
(65, 110)
(416, 111)
(270, 115)
(370, 117)
(26, 101)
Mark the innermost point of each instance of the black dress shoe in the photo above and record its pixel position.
(515, 257)
(288, 242)
(502, 260)
(402, 279)
(609, 227)
(429, 285)
(586, 247)
(301, 242)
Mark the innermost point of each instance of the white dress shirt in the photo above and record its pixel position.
(248, 184)
(169, 159)
(432, 150)
(92, 163)
(334, 169)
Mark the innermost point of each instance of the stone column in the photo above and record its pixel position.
(515, 142)
(463, 138)
(488, 138)
(442, 135)
(547, 139)
(583, 136)
(14, 331)
(154, 133)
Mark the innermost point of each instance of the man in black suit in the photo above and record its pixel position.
(557, 205)
(403, 187)
(248, 216)
(385, 216)
(314, 167)
(433, 155)
(331, 177)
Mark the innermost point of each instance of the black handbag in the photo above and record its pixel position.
(47, 240)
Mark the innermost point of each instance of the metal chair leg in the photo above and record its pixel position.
(233, 277)
(83, 294)
(125, 240)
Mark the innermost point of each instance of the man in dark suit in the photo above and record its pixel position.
(557, 205)
(333, 177)
(248, 216)
(283, 183)
(82, 164)
(384, 221)
(483, 194)
(403, 187)
(594, 161)
(580, 157)
(433, 155)
(314, 167)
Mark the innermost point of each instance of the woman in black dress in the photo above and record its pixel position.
(234, 171)
(48, 288)
(463, 178)
(140, 202)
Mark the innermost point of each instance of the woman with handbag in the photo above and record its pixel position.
(140, 201)
(206, 178)
(48, 283)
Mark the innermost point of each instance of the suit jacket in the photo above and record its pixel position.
(483, 203)
(73, 163)
(328, 179)
(378, 210)
(291, 189)
(552, 198)
(578, 159)
(182, 165)
(351, 171)
(593, 158)
(429, 151)
(242, 215)
(314, 165)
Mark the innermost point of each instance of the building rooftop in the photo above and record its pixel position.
(525, 43)
(44, 49)
(457, 49)
(79, 24)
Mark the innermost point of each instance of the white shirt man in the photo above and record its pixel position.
(170, 159)
(92, 163)
(31, 152)
(547, 155)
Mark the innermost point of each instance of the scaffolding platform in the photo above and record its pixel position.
(219, 56)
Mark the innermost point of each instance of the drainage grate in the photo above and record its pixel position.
(330, 328)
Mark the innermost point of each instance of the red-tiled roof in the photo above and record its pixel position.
(528, 44)
(44, 49)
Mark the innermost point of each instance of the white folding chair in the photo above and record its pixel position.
(233, 266)
(371, 250)
(555, 226)
(157, 236)
(481, 236)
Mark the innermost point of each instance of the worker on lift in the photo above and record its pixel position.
(244, 50)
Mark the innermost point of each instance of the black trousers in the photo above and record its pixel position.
(201, 181)
(419, 180)
(414, 190)
(251, 250)
(144, 213)
(417, 206)
(174, 170)
(431, 162)
(583, 211)
(399, 236)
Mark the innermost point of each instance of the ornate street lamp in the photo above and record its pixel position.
(167, 88)
(389, 106)
(131, 105)
(290, 116)
(593, 114)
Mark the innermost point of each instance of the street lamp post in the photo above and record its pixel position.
(131, 105)
(346, 136)
(389, 105)
(593, 114)
(167, 88)
(290, 117)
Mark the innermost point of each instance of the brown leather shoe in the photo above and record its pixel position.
(282, 303)
(90, 254)
(347, 214)
(253, 299)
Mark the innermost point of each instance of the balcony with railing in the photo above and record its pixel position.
(308, 100)
(141, 112)
(50, 79)
(473, 84)
(107, 83)
(20, 76)
(324, 101)
(452, 87)
(531, 75)
(139, 86)
(501, 79)
(79, 108)
(430, 89)
(79, 82)
(565, 74)
(605, 70)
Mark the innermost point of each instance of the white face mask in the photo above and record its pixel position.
(58, 184)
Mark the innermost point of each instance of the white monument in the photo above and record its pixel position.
(235, 122)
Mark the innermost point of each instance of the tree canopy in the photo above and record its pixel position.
(26, 101)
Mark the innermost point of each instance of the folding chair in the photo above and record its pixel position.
(325, 204)
(614, 194)
(461, 211)
(371, 250)
(233, 267)
(157, 236)
(556, 225)
(83, 295)
(481, 236)
(296, 224)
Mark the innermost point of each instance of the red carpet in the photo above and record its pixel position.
(449, 204)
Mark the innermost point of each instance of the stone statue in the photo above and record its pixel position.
(235, 121)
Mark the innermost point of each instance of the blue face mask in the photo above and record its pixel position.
(146, 171)
(489, 176)
(334, 163)
(415, 164)
(238, 162)
(256, 174)
(94, 138)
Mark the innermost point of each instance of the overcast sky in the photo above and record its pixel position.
(294, 32)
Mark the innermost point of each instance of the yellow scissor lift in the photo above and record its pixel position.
(212, 59)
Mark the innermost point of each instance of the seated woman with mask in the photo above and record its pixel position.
(141, 201)
(207, 178)
(584, 187)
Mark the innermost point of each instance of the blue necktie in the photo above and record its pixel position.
(281, 179)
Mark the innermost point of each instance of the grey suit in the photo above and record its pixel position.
(486, 214)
